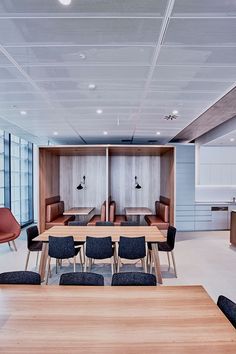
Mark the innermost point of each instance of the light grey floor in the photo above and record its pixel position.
(204, 258)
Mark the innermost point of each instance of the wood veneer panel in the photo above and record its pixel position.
(220, 112)
(48, 182)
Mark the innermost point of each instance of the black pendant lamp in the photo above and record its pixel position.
(82, 184)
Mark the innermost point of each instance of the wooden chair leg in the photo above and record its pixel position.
(74, 263)
(27, 260)
(150, 262)
(90, 264)
(81, 260)
(173, 260)
(168, 256)
(118, 264)
(14, 245)
(85, 263)
(37, 259)
(49, 261)
(56, 265)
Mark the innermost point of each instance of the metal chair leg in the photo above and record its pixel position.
(173, 260)
(14, 245)
(27, 260)
(9, 245)
(168, 256)
(49, 260)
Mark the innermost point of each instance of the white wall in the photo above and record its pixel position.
(216, 168)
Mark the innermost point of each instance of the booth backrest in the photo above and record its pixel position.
(103, 211)
(54, 210)
(112, 211)
(162, 210)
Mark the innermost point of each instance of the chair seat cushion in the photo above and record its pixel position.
(154, 220)
(93, 220)
(6, 236)
(119, 219)
(59, 221)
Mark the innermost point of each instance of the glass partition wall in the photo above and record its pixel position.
(16, 176)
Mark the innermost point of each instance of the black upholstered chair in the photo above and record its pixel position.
(62, 248)
(228, 307)
(99, 248)
(81, 278)
(129, 223)
(133, 278)
(132, 248)
(33, 246)
(167, 246)
(20, 277)
(104, 223)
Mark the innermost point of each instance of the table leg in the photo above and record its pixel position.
(156, 260)
(43, 260)
(138, 219)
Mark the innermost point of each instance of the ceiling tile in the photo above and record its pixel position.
(204, 8)
(79, 55)
(200, 31)
(72, 31)
(213, 56)
(83, 8)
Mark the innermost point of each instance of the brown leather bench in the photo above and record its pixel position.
(161, 219)
(54, 215)
(102, 217)
(116, 219)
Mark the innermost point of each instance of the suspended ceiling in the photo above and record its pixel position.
(146, 59)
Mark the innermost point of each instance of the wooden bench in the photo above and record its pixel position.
(161, 218)
(54, 213)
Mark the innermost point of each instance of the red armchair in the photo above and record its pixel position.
(9, 227)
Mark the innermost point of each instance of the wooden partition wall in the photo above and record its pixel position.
(110, 172)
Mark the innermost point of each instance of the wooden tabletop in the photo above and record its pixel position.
(79, 211)
(137, 211)
(98, 320)
(151, 233)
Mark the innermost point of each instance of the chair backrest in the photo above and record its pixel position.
(132, 247)
(82, 278)
(171, 232)
(104, 223)
(133, 278)
(61, 247)
(54, 210)
(32, 232)
(228, 307)
(8, 223)
(20, 277)
(77, 223)
(129, 223)
(99, 247)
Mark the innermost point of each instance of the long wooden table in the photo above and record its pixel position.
(151, 233)
(104, 320)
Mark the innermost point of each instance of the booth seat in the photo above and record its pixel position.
(102, 217)
(54, 215)
(116, 219)
(161, 219)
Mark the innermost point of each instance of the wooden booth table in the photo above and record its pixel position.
(104, 320)
(133, 211)
(80, 211)
(151, 233)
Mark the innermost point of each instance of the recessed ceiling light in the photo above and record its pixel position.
(158, 133)
(65, 2)
(82, 56)
(99, 111)
(55, 133)
(231, 139)
(92, 86)
(23, 113)
(105, 133)
(175, 112)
